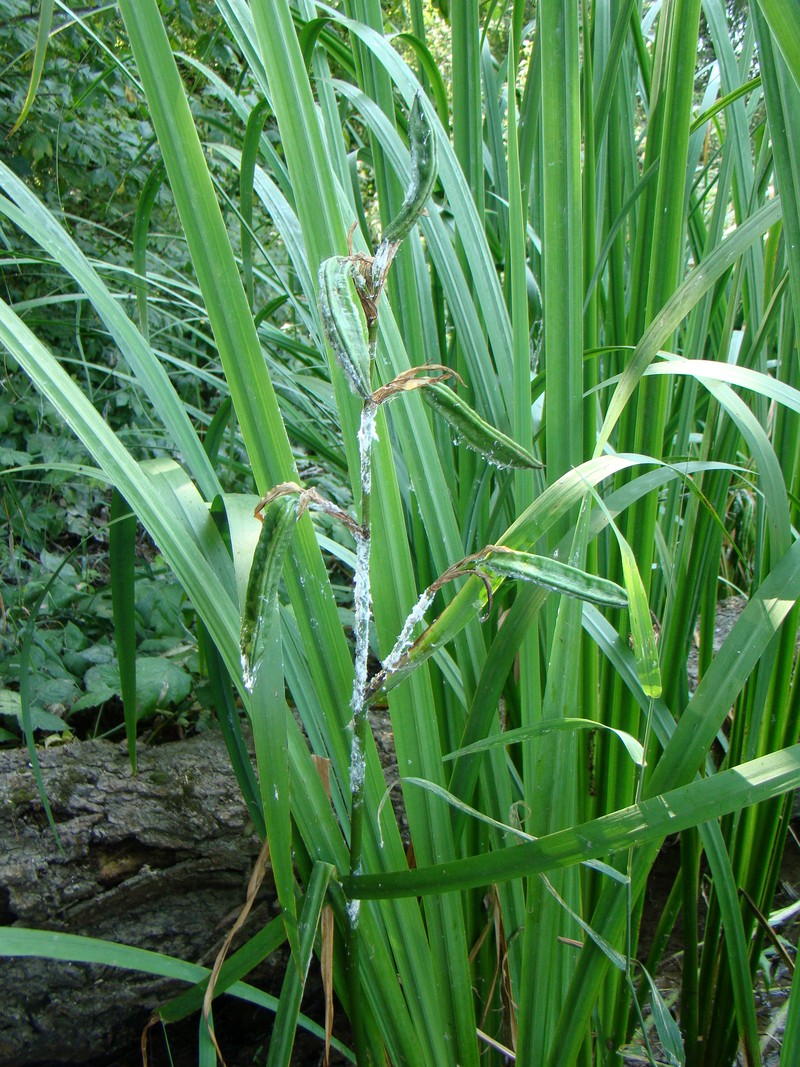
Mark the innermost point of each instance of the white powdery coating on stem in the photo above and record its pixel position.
(362, 610)
(353, 908)
(380, 264)
(358, 766)
(366, 435)
(403, 642)
(362, 606)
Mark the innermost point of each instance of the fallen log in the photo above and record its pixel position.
(160, 860)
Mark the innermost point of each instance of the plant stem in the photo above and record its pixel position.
(358, 704)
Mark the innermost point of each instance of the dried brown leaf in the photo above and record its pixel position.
(253, 886)
(323, 768)
(407, 380)
(326, 963)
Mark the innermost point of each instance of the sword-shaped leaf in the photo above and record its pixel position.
(643, 635)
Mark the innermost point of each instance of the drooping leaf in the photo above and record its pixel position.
(42, 37)
(493, 445)
(552, 573)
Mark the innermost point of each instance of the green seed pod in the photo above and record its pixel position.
(260, 603)
(475, 433)
(422, 142)
(342, 324)
(544, 570)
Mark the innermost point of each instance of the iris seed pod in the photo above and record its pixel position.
(342, 324)
(475, 433)
(552, 573)
(422, 142)
(260, 603)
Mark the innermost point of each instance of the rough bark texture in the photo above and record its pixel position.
(159, 861)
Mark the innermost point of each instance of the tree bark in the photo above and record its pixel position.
(160, 861)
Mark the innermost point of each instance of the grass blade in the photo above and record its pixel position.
(121, 550)
(649, 821)
(287, 1015)
(72, 948)
(784, 22)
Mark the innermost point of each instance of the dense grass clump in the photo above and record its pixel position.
(584, 252)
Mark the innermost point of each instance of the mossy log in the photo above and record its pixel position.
(160, 860)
